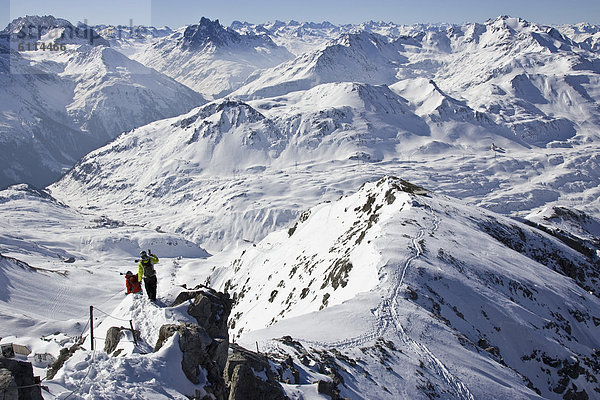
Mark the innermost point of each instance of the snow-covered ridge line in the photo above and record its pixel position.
(446, 283)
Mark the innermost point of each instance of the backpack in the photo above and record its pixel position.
(148, 268)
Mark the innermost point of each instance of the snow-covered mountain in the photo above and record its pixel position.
(297, 37)
(59, 105)
(468, 304)
(302, 37)
(397, 290)
(435, 297)
(48, 29)
(361, 57)
(334, 126)
(352, 130)
(211, 59)
(130, 40)
(528, 77)
(583, 33)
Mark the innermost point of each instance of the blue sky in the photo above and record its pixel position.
(175, 13)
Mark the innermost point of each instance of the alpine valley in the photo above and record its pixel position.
(373, 211)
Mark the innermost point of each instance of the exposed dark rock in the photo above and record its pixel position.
(22, 374)
(571, 368)
(8, 386)
(250, 377)
(113, 337)
(204, 345)
(329, 389)
(574, 394)
(200, 350)
(210, 309)
(64, 355)
(208, 32)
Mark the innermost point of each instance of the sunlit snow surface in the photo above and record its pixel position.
(421, 292)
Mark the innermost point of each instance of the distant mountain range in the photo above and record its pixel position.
(59, 105)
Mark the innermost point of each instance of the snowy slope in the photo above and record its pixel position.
(303, 37)
(54, 264)
(584, 33)
(47, 28)
(210, 58)
(58, 257)
(59, 105)
(332, 127)
(475, 305)
(346, 132)
(361, 57)
(436, 298)
(537, 82)
(390, 292)
(297, 37)
(130, 40)
(533, 79)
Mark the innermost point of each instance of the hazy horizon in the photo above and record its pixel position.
(178, 13)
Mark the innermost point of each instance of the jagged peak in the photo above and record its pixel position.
(507, 20)
(207, 33)
(36, 21)
(401, 185)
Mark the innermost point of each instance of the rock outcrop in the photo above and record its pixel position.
(210, 309)
(232, 372)
(249, 376)
(17, 380)
(200, 351)
(8, 386)
(204, 345)
(113, 337)
(65, 354)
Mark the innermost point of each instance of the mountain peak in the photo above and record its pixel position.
(48, 27)
(208, 32)
(212, 33)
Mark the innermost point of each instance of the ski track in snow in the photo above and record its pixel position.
(434, 364)
(389, 318)
(59, 300)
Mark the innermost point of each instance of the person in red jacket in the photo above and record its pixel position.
(132, 283)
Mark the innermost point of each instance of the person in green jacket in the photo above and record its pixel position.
(147, 272)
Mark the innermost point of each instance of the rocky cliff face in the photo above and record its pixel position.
(231, 371)
(17, 381)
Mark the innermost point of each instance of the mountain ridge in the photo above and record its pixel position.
(330, 262)
(210, 58)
